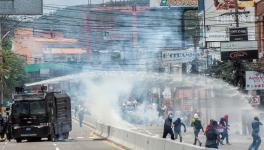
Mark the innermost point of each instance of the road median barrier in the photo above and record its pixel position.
(137, 141)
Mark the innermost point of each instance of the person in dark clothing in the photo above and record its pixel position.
(212, 135)
(255, 134)
(168, 127)
(81, 116)
(75, 110)
(224, 123)
(197, 127)
(2, 126)
(177, 128)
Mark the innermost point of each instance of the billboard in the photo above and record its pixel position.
(217, 25)
(21, 7)
(230, 4)
(254, 80)
(173, 3)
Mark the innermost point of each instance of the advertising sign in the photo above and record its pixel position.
(21, 7)
(254, 80)
(245, 3)
(217, 24)
(173, 3)
(230, 4)
(243, 55)
(238, 34)
(239, 46)
(179, 56)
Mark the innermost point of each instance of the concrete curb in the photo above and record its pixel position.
(137, 141)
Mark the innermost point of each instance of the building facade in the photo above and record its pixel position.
(260, 25)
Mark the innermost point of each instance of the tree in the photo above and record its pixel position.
(232, 72)
(12, 71)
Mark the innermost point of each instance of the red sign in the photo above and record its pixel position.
(255, 100)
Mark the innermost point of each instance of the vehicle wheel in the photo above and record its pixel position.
(18, 140)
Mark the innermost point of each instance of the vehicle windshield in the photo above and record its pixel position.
(21, 108)
(29, 108)
(37, 108)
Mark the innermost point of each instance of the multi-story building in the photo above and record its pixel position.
(260, 25)
(47, 53)
(32, 43)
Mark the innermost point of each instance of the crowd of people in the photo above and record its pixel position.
(216, 132)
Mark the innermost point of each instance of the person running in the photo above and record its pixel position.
(224, 123)
(255, 134)
(168, 127)
(212, 135)
(197, 127)
(177, 128)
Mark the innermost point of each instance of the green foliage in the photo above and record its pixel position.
(229, 72)
(7, 44)
(12, 71)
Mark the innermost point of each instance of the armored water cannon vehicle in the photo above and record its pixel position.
(34, 116)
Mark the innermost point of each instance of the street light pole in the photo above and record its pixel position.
(1, 62)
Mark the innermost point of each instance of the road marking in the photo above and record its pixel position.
(80, 137)
(95, 136)
(57, 148)
(54, 144)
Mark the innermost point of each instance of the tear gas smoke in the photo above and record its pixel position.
(104, 93)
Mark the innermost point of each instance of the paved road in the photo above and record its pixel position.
(82, 139)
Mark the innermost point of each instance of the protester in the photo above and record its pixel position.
(177, 128)
(81, 116)
(224, 123)
(168, 127)
(255, 134)
(197, 127)
(76, 110)
(212, 135)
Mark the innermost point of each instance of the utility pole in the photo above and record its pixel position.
(239, 67)
(236, 14)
